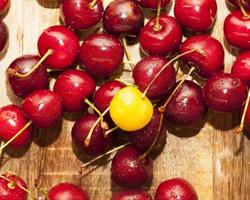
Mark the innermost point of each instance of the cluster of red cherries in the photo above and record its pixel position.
(136, 110)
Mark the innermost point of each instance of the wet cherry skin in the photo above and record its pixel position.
(78, 14)
(4, 6)
(152, 4)
(246, 3)
(101, 54)
(4, 36)
(132, 195)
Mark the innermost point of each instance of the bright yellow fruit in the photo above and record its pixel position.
(129, 110)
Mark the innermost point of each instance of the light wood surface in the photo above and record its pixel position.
(210, 155)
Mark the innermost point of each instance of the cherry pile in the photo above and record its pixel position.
(138, 111)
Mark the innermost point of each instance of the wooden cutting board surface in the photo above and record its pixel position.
(209, 155)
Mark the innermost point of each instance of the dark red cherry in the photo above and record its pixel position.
(98, 143)
(123, 17)
(245, 3)
(132, 195)
(67, 191)
(81, 14)
(74, 86)
(176, 188)
(22, 86)
(12, 120)
(105, 94)
(152, 4)
(43, 107)
(4, 36)
(9, 187)
(129, 170)
(187, 106)
(101, 54)
(225, 92)
(64, 45)
(4, 6)
(145, 71)
(240, 36)
(206, 61)
(161, 41)
(196, 15)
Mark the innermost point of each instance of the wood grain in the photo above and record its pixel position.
(209, 155)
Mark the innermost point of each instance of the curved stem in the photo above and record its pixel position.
(92, 4)
(157, 25)
(124, 82)
(128, 55)
(245, 15)
(93, 106)
(106, 134)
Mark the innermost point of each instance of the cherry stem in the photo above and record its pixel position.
(125, 82)
(245, 15)
(240, 129)
(157, 25)
(92, 4)
(164, 67)
(12, 185)
(37, 65)
(106, 133)
(15, 136)
(93, 107)
(128, 55)
(88, 138)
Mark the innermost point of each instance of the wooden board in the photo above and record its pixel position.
(210, 156)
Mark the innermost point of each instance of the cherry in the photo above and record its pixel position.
(204, 59)
(245, 3)
(59, 47)
(67, 191)
(12, 120)
(123, 17)
(195, 15)
(74, 86)
(163, 40)
(22, 86)
(4, 6)
(224, 92)
(176, 188)
(105, 94)
(4, 36)
(132, 195)
(107, 57)
(129, 170)
(152, 4)
(145, 71)
(81, 14)
(97, 143)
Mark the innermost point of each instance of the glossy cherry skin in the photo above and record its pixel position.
(176, 188)
(132, 195)
(4, 6)
(197, 16)
(163, 41)
(67, 191)
(152, 4)
(74, 86)
(64, 44)
(225, 92)
(78, 14)
(105, 94)
(15, 193)
(43, 107)
(37, 80)
(123, 17)
(206, 62)
(80, 131)
(4, 36)
(245, 3)
(236, 30)
(241, 67)
(145, 71)
(101, 54)
(13, 119)
(187, 106)
(128, 170)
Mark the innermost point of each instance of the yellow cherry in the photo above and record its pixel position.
(129, 110)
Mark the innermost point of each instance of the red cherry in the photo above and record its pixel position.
(107, 57)
(132, 195)
(4, 36)
(79, 14)
(22, 86)
(162, 40)
(176, 188)
(63, 44)
(4, 6)
(245, 3)
(152, 4)
(74, 86)
(145, 71)
(195, 15)
(206, 62)
(123, 17)
(43, 107)
(67, 191)
(128, 170)
(12, 120)
(225, 92)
